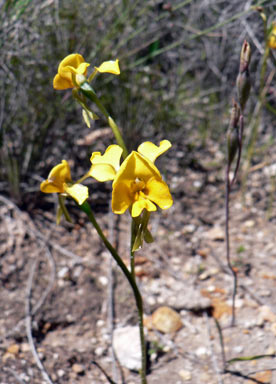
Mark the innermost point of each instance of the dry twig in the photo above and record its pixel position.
(28, 323)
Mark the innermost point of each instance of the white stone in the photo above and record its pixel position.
(238, 349)
(99, 351)
(63, 272)
(103, 280)
(100, 323)
(151, 300)
(202, 351)
(185, 375)
(197, 184)
(126, 344)
(60, 372)
(189, 228)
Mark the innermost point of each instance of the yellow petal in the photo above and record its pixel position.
(102, 172)
(56, 179)
(60, 174)
(136, 166)
(79, 192)
(73, 60)
(80, 70)
(141, 204)
(152, 151)
(158, 192)
(61, 83)
(48, 187)
(109, 67)
(111, 156)
(272, 38)
(108, 164)
(121, 198)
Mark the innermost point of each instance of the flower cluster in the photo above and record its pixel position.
(137, 182)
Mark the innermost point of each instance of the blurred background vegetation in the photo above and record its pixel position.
(179, 61)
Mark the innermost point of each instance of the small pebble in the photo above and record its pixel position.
(60, 372)
(249, 223)
(238, 349)
(13, 349)
(99, 351)
(103, 280)
(197, 184)
(78, 368)
(151, 300)
(63, 273)
(202, 351)
(266, 314)
(216, 233)
(265, 293)
(185, 375)
(189, 228)
(239, 303)
(100, 323)
(126, 344)
(166, 320)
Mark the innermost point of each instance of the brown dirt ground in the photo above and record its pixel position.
(184, 268)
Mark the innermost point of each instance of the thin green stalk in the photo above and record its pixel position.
(88, 91)
(63, 208)
(85, 207)
(227, 242)
(133, 235)
(134, 231)
(221, 344)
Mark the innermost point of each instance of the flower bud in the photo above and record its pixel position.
(243, 80)
(235, 116)
(233, 134)
(232, 145)
(261, 12)
(245, 56)
(243, 88)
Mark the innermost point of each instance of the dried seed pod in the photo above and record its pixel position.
(245, 56)
(233, 134)
(243, 83)
(243, 88)
(232, 145)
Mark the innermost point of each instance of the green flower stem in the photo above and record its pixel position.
(63, 207)
(84, 177)
(88, 91)
(85, 207)
(134, 230)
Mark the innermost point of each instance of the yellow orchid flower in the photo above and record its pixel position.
(60, 181)
(272, 38)
(137, 183)
(73, 64)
